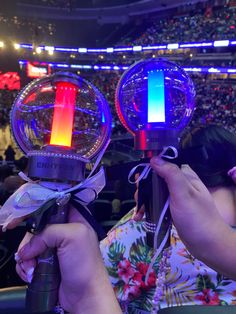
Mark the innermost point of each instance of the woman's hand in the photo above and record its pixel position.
(85, 287)
(197, 219)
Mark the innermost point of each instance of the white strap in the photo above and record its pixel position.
(143, 175)
(147, 167)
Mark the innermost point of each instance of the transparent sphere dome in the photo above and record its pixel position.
(61, 110)
(155, 94)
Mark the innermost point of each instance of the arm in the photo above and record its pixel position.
(196, 218)
(85, 287)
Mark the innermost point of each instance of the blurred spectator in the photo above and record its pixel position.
(116, 206)
(9, 154)
(12, 182)
(5, 171)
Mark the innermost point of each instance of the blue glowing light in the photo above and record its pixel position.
(26, 46)
(156, 96)
(103, 118)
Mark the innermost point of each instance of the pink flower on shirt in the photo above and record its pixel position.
(208, 297)
(125, 270)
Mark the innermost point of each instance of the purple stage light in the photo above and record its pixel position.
(66, 49)
(62, 65)
(123, 49)
(171, 46)
(193, 69)
(96, 50)
(26, 46)
(125, 67)
(76, 66)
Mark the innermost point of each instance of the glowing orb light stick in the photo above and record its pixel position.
(60, 122)
(155, 102)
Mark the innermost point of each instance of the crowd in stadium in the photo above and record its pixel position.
(204, 23)
(210, 23)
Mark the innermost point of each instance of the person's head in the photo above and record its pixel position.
(210, 150)
(22, 163)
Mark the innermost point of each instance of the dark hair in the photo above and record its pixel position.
(210, 150)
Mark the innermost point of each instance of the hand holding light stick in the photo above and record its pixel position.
(61, 122)
(154, 101)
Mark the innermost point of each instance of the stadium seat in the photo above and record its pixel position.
(101, 210)
(126, 206)
(107, 195)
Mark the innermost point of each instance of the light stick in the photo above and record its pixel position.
(61, 122)
(155, 102)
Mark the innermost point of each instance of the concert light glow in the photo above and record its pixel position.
(156, 96)
(170, 46)
(63, 115)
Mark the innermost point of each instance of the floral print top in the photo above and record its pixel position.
(189, 281)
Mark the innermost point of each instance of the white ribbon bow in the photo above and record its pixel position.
(32, 195)
(147, 167)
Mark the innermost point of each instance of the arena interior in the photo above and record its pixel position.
(99, 40)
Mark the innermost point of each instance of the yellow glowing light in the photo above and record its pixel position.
(38, 50)
(16, 46)
(50, 50)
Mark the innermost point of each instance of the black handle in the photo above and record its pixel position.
(42, 292)
(153, 194)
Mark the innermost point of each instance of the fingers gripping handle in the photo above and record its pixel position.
(42, 292)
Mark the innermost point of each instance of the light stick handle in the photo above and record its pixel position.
(42, 292)
(153, 193)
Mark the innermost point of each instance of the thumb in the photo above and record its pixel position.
(50, 237)
(171, 173)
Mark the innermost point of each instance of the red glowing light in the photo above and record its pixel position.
(63, 115)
